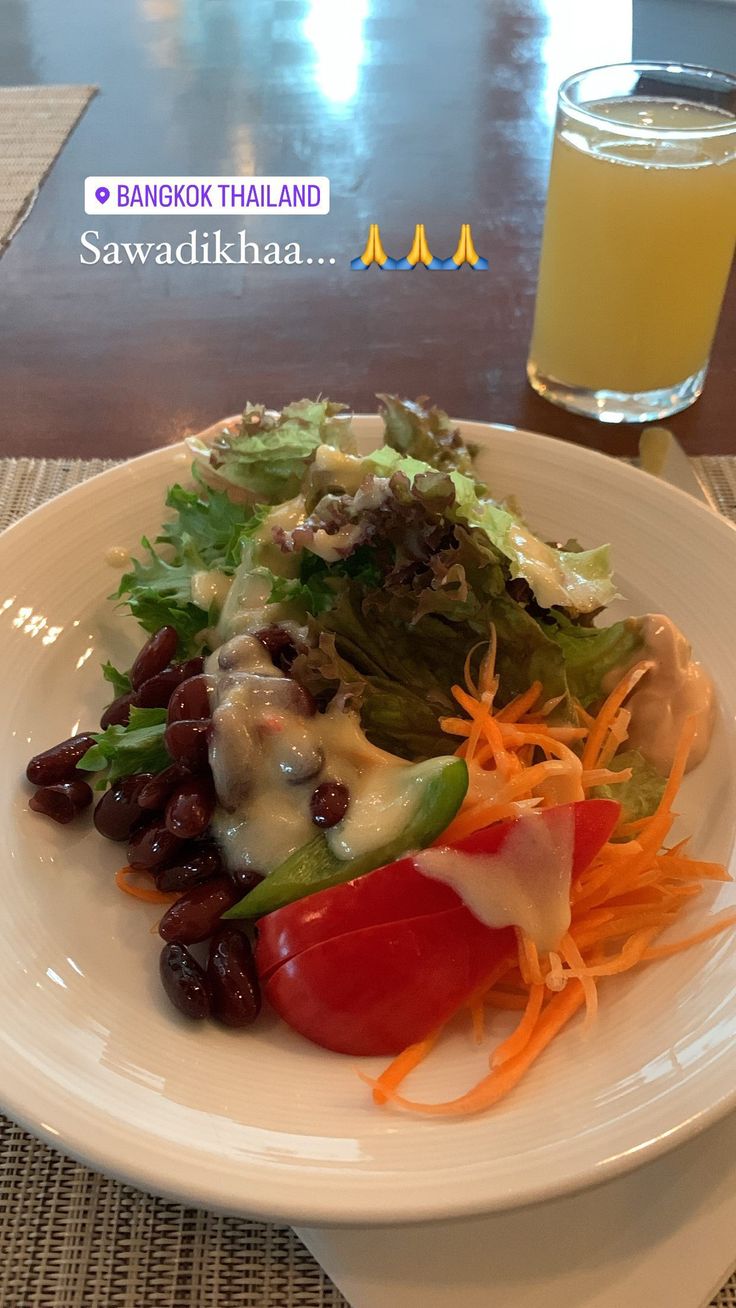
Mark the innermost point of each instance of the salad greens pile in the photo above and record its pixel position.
(394, 566)
(206, 533)
(270, 453)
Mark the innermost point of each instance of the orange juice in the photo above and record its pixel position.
(638, 241)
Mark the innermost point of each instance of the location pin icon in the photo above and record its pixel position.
(102, 194)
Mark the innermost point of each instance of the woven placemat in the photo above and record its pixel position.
(34, 124)
(70, 1238)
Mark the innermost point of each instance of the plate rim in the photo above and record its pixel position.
(373, 1208)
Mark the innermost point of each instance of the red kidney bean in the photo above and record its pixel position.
(60, 762)
(202, 864)
(61, 802)
(152, 846)
(184, 981)
(329, 803)
(157, 652)
(117, 714)
(246, 879)
(190, 808)
(80, 791)
(190, 700)
(119, 811)
(279, 644)
(191, 667)
(187, 743)
(157, 692)
(235, 995)
(195, 915)
(155, 793)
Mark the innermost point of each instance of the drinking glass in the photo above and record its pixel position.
(638, 239)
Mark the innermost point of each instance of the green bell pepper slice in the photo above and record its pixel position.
(442, 789)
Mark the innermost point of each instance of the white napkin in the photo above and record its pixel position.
(665, 1234)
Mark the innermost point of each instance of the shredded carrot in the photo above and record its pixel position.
(632, 828)
(402, 1065)
(659, 824)
(519, 1038)
(607, 714)
(148, 894)
(466, 700)
(574, 960)
(666, 951)
(688, 867)
(605, 777)
(510, 733)
(617, 734)
(631, 954)
(522, 704)
(583, 717)
(529, 960)
(504, 999)
(633, 891)
(487, 1092)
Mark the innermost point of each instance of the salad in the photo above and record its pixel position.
(381, 760)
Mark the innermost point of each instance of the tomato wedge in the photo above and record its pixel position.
(373, 965)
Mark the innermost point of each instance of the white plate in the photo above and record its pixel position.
(94, 1061)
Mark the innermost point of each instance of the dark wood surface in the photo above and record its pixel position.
(418, 112)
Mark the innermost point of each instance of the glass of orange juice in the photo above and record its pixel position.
(638, 239)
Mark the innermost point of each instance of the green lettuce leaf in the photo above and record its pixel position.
(425, 434)
(270, 452)
(122, 750)
(407, 670)
(207, 532)
(570, 578)
(207, 521)
(407, 584)
(310, 597)
(158, 594)
(401, 645)
(120, 681)
(579, 580)
(318, 585)
(640, 796)
(592, 652)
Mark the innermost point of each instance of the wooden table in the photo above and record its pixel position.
(417, 111)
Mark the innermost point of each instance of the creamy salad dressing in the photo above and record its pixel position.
(526, 883)
(245, 605)
(117, 556)
(331, 467)
(675, 688)
(210, 587)
(386, 798)
(334, 545)
(269, 750)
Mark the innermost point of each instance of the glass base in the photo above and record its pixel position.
(618, 406)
